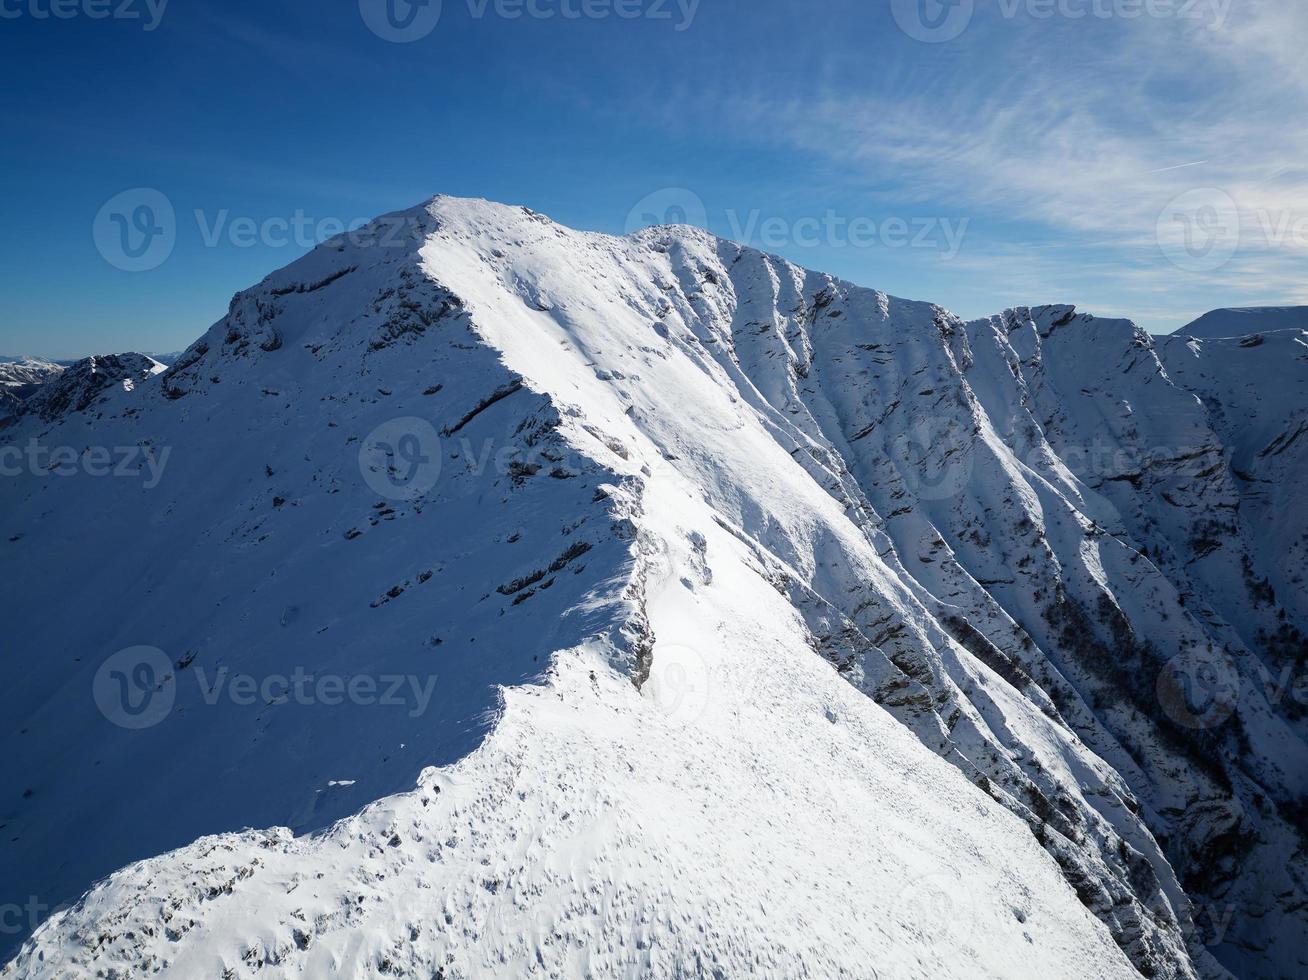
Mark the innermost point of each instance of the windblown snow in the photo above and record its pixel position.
(571, 605)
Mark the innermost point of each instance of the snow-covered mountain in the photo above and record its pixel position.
(1241, 322)
(579, 605)
(165, 357)
(77, 388)
(26, 371)
(39, 361)
(19, 378)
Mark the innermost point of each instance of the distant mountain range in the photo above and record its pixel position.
(27, 371)
(21, 358)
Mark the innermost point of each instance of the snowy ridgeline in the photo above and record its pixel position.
(650, 606)
(1239, 323)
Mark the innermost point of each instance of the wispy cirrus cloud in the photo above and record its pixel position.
(1095, 157)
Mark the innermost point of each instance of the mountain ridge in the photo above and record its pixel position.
(908, 436)
(1243, 321)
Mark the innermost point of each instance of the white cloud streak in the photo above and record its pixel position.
(1084, 133)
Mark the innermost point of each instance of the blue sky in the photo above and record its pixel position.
(1141, 158)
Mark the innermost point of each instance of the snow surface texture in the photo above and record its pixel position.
(1241, 322)
(748, 622)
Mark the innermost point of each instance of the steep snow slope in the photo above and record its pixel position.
(763, 819)
(1255, 395)
(1241, 322)
(687, 480)
(248, 529)
(1223, 769)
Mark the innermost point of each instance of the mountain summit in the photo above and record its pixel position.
(1246, 321)
(574, 604)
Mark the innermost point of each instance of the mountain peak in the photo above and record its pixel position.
(1243, 321)
(81, 385)
(648, 536)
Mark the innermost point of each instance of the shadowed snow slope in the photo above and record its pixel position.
(729, 618)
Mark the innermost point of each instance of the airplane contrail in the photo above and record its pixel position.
(1179, 166)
